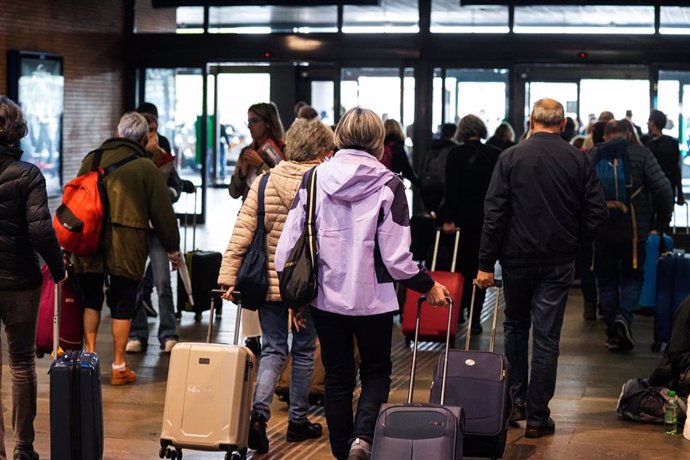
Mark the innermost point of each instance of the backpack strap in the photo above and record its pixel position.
(116, 165)
(96, 162)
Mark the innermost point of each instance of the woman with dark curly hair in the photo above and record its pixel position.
(26, 231)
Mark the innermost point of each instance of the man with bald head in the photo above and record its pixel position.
(544, 197)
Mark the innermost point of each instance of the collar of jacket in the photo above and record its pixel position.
(138, 149)
(11, 152)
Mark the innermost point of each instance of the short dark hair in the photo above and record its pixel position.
(614, 127)
(470, 126)
(12, 123)
(598, 132)
(148, 107)
(448, 130)
(658, 118)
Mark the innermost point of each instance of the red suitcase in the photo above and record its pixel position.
(434, 321)
(71, 314)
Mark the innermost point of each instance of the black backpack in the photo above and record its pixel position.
(433, 171)
(642, 402)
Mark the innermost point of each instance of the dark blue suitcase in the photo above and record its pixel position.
(420, 431)
(76, 408)
(653, 250)
(673, 286)
(477, 381)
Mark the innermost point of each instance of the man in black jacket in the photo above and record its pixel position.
(665, 149)
(543, 198)
(619, 249)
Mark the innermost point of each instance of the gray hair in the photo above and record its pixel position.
(132, 126)
(548, 112)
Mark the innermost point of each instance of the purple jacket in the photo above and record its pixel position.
(363, 236)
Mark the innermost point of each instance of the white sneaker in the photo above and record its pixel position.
(134, 346)
(169, 344)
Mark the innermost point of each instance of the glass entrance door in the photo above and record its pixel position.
(236, 90)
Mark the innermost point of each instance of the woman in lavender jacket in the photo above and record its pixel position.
(363, 236)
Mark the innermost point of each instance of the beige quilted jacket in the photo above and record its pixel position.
(281, 188)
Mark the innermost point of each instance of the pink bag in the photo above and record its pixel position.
(71, 322)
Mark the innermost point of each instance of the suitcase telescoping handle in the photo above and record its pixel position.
(56, 319)
(238, 320)
(455, 248)
(497, 284)
(413, 371)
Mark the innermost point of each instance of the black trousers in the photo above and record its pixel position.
(373, 335)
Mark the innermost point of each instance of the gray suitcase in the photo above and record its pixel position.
(477, 381)
(420, 431)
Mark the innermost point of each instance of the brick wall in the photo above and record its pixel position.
(152, 20)
(89, 36)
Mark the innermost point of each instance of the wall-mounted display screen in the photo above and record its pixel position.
(36, 83)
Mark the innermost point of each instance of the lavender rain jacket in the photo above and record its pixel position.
(363, 236)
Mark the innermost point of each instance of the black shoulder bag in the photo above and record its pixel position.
(299, 278)
(252, 279)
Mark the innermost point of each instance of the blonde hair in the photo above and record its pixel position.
(394, 129)
(307, 140)
(360, 129)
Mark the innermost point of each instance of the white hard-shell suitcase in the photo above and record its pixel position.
(208, 397)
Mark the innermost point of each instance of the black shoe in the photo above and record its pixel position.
(537, 431)
(625, 340)
(254, 344)
(148, 308)
(25, 453)
(257, 434)
(518, 411)
(298, 432)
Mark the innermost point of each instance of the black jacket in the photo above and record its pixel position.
(468, 172)
(26, 229)
(544, 197)
(400, 162)
(665, 149)
(654, 204)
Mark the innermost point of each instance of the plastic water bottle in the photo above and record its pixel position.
(686, 429)
(671, 414)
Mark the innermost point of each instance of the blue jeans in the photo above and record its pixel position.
(273, 317)
(167, 327)
(373, 334)
(619, 283)
(535, 296)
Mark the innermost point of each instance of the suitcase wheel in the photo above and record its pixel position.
(197, 316)
(168, 452)
(235, 456)
(178, 317)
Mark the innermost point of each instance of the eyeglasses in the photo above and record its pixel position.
(253, 121)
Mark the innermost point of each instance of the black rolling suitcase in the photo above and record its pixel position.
(477, 381)
(420, 431)
(76, 407)
(203, 268)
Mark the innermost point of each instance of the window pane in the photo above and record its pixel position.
(675, 20)
(167, 20)
(616, 96)
(584, 19)
(674, 100)
(480, 92)
(449, 16)
(322, 99)
(377, 89)
(390, 16)
(267, 19)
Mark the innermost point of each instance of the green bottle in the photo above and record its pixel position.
(671, 414)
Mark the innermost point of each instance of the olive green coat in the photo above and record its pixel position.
(139, 203)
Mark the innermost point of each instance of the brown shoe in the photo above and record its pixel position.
(543, 429)
(122, 377)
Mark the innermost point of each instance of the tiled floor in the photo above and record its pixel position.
(589, 382)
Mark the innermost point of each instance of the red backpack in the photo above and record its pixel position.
(78, 221)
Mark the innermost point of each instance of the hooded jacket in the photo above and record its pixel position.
(363, 236)
(281, 188)
(138, 199)
(25, 225)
